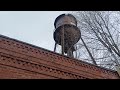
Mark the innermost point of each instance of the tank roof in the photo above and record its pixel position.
(62, 15)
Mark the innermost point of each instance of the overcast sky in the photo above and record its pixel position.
(34, 27)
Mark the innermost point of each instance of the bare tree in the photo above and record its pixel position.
(100, 31)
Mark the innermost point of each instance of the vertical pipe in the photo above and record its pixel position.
(62, 40)
(70, 50)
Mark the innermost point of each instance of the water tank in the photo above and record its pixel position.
(66, 27)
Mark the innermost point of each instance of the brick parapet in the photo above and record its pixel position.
(57, 65)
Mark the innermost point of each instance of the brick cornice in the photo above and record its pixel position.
(35, 55)
(15, 62)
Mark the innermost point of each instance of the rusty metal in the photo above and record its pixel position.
(66, 33)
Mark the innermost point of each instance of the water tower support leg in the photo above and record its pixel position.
(55, 47)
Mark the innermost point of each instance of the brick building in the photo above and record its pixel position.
(20, 60)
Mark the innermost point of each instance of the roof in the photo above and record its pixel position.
(62, 15)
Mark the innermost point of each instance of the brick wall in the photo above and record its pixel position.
(21, 60)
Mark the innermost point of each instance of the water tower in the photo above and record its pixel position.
(66, 33)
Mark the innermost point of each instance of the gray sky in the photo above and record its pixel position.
(34, 27)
